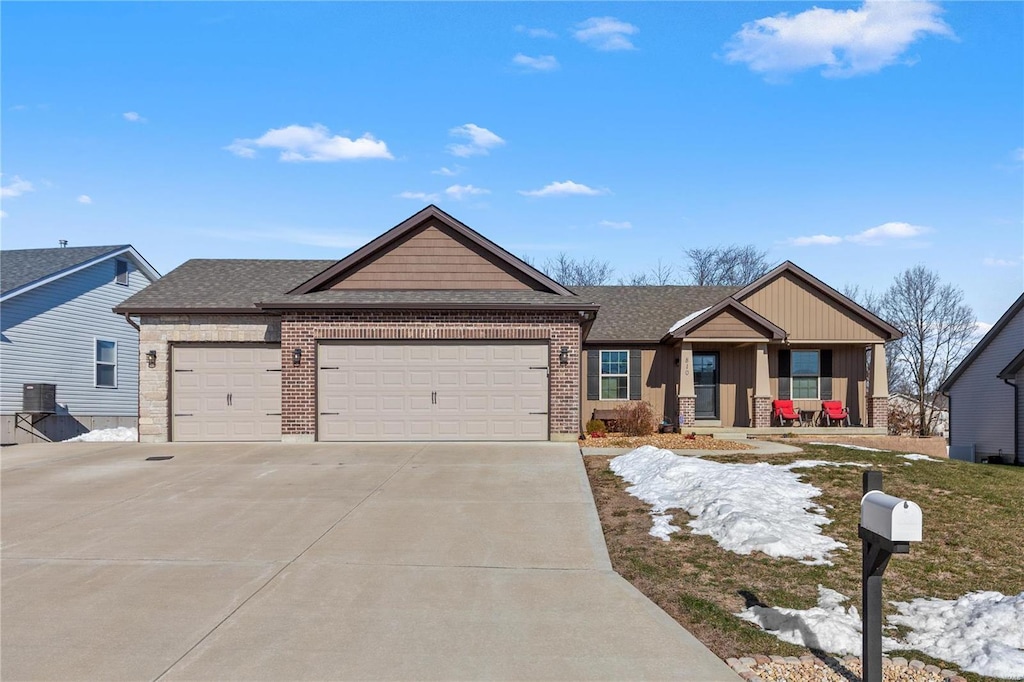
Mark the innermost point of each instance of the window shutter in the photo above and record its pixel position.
(634, 375)
(826, 374)
(593, 375)
(784, 392)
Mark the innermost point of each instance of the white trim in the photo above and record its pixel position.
(96, 362)
(140, 262)
(601, 375)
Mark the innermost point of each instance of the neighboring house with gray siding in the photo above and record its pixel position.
(984, 404)
(58, 327)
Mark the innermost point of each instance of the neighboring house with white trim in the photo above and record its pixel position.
(58, 327)
(936, 413)
(986, 402)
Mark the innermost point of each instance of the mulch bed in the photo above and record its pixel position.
(667, 441)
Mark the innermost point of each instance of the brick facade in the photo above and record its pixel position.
(302, 329)
(687, 411)
(159, 333)
(762, 412)
(878, 412)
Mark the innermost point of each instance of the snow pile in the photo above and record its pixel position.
(847, 445)
(920, 458)
(743, 507)
(828, 626)
(118, 434)
(982, 632)
(686, 319)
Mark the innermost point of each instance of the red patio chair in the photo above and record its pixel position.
(782, 411)
(833, 411)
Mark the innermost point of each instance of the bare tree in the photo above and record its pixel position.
(938, 327)
(732, 265)
(660, 275)
(571, 272)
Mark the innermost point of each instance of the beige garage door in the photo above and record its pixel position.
(409, 391)
(226, 393)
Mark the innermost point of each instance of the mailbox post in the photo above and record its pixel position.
(887, 526)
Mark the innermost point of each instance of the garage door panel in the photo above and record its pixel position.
(226, 393)
(414, 391)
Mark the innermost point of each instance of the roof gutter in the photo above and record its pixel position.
(420, 305)
(129, 320)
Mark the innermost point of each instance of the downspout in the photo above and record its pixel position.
(1016, 423)
(130, 321)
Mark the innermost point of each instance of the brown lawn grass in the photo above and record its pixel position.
(972, 540)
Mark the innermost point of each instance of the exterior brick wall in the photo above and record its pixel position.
(687, 411)
(302, 329)
(762, 412)
(160, 332)
(878, 412)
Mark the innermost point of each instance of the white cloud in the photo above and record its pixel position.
(3, 214)
(419, 196)
(460, 192)
(133, 116)
(447, 172)
(481, 141)
(84, 199)
(843, 42)
(16, 187)
(886, 231)
(536, 32)
(311, 143)
(544, 62)
(331, 239)
(999, 262)
(561, 189)
(606, 33)
(981, 328)
(815, 240)
(870, 236)
(623, 225)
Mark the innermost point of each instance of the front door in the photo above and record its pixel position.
(705, 384)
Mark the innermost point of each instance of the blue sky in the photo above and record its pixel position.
(855, 139)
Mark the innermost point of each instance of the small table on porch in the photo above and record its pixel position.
(808, 417)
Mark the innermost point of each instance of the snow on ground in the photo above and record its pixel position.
(847, 445)
(119, 434)
(828, 626)
(743, 507)
(982, 632)
(920, 458)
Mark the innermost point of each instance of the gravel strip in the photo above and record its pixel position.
(814, 669)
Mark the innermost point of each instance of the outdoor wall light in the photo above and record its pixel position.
(296, 356)
(563, 356)
(151, 359)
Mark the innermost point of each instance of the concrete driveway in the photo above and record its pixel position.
(358, 561)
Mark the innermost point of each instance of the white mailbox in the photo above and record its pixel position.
(891, 517)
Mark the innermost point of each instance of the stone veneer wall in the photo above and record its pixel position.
(302, 329)
(159, 332)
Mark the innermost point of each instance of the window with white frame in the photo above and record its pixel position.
(805, 370)
(614, 375)
(106, 364)
(121, 271)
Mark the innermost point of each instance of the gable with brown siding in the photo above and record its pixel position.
(728, 325)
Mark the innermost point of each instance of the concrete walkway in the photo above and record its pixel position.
(268, 561)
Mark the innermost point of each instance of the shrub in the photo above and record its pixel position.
(596, 426)
(635, 418)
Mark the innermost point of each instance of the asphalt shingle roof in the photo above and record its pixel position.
(19, 267)
(631, 313)
(440, 297)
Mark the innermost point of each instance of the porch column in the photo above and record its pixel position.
(878, 401)
(761, 416)
(687, 394)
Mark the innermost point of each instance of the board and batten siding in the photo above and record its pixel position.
(807, 314)
(849, 379)
(49, 336)
(981, 404)
(659, 376)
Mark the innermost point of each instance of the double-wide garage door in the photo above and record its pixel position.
(432, 391)
(226, 393)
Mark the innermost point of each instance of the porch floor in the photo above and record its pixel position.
(743, 432)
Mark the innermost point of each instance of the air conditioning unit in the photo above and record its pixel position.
(39, 398)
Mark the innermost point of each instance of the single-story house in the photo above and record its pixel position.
(936, 413)
(58, 329)
(433, 332)
(986, 403)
